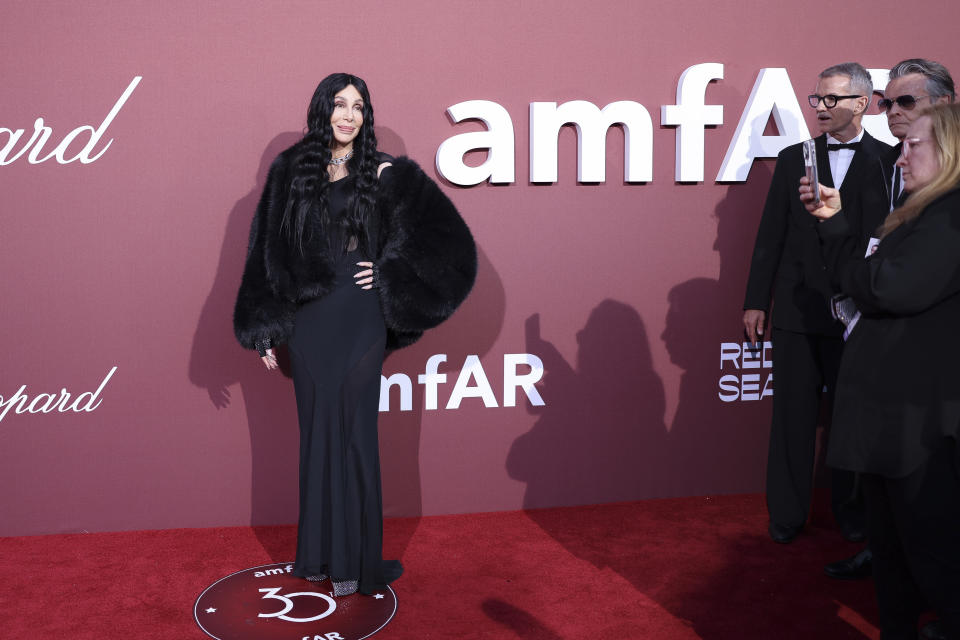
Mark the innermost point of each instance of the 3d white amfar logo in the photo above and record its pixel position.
(49, 402)
(472, 370)
(41, 135)
(772, 95)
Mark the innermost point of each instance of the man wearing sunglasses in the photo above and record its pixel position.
(914, 85)
(787, 264)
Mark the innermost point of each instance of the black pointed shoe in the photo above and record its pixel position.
(783, 533)
(855, 567)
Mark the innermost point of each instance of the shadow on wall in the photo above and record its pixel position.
(601, 437)
(722, 444)
(473, 329)
(481, 318)
(218, 362)
(692, 338)
(390, 142)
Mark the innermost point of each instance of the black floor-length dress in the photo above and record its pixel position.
(336, 352)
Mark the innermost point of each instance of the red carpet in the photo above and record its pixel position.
(678, 568)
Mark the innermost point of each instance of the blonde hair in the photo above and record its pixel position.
(945, 119)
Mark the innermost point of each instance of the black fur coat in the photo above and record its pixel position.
(424, 251)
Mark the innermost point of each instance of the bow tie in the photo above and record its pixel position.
(833, 146)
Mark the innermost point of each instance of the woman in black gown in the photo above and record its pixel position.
(351, 252)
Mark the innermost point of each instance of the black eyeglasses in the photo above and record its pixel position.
(829, 100)
(907, 102)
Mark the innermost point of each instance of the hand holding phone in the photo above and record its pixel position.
(810, 165)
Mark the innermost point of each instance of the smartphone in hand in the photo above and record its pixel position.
(810, 164)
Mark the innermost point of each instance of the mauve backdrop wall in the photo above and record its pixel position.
(625, 291)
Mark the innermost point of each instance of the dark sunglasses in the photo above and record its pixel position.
(829, 100)
(907, 102)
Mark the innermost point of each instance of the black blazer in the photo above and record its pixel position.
(898, 391)
(786, 256)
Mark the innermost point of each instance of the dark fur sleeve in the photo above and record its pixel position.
(259, 313)
(428, 260)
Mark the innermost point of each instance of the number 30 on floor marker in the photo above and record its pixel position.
(288, 604)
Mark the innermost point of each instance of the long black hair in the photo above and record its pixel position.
(310, 182)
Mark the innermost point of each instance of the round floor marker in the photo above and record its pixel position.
(270, 603)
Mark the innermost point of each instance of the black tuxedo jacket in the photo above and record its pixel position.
(898, 391)
(787, 262)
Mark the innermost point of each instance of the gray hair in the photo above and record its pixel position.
(860, 80)
(939, 82)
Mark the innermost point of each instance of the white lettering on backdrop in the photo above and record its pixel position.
(49, 402)
(497, 140)
(41, 135)
(691, 116)
(772, 95)
(742, 385)
(546, 119)
(471, 383)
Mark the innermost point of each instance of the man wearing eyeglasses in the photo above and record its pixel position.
(787, 264)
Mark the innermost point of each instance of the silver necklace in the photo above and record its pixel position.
(341, 160)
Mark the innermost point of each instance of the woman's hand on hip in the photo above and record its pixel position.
(366, 279)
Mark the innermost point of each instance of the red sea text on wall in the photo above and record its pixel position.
(746, 372)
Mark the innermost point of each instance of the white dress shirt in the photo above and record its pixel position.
(840, 159)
